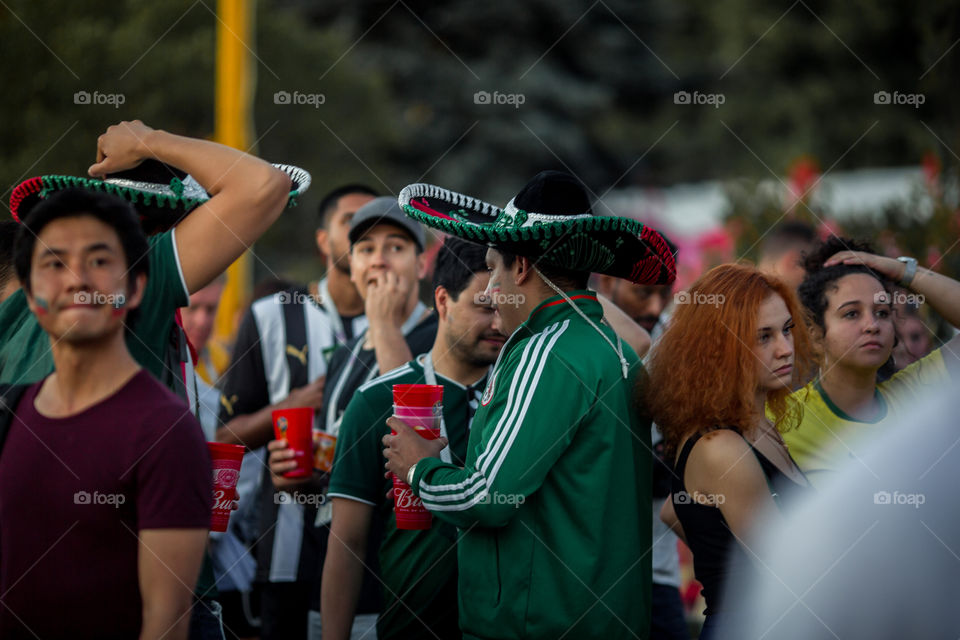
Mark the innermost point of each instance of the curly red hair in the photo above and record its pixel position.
(703, 373)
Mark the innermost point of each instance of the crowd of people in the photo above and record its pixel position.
(592, 416)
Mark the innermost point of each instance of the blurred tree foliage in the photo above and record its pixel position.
(399, 79)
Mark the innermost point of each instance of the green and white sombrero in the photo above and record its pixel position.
(161, 194)
(551, 222)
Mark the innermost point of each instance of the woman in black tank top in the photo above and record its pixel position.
(719, 385)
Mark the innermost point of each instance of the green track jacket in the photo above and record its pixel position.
(555, 499)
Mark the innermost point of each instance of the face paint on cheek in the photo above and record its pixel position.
(119, 302)
(43, 307)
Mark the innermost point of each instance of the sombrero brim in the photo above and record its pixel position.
(610, 245)
(142, 188)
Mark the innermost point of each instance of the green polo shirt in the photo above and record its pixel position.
(418, 568)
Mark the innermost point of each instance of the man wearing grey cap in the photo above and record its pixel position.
(386, 264)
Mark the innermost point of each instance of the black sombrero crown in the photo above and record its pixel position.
(550, 221)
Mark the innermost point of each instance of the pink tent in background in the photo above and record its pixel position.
(698, 254)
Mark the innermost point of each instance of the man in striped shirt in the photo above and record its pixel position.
(554, 499)
(280, 360)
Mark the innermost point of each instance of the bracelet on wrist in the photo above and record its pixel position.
(909, 270)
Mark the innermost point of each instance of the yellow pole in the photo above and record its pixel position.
(235, 83)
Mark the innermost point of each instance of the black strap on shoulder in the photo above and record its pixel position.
(10, 395)
(681, 465)
(297, 352)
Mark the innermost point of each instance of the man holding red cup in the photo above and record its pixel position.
(418, 565)
(554, 498)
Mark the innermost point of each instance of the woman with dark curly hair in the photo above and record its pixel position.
(736, 344)
(848, 294)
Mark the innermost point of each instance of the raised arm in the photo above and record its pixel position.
(939, 291)
(248, 194)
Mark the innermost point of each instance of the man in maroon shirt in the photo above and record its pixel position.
(105, 480)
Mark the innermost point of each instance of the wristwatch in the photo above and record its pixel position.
(410, 473)
(909, 271)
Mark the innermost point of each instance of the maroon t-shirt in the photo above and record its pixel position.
(75, 491)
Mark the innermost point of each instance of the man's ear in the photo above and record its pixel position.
(323, 242)
(421, 266)
(522, 269)
(31, 303)
(135, 290)
(605, 284)
(440, 301)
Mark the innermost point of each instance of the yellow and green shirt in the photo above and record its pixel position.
(827, 438)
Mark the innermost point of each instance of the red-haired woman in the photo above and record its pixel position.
(736, 344)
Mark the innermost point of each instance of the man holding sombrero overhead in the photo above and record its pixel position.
(554, 500)
(203, 204)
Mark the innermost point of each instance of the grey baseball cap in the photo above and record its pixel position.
(384, 209)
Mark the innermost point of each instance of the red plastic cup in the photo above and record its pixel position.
(421, 407)
(296, 427)
(417, 395)
(226, 471)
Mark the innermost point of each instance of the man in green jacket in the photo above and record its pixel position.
(554, 499)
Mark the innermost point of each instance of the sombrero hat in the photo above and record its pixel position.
(551, 222)
(160, 193)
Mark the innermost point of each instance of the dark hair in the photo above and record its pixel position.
(329, 202)
(271, 285)
(563, 278)
(813, 290)
(457, 262)
(70, 203)
(789, 235)
(8, 233)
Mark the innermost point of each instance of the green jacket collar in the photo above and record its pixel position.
(556, 308)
